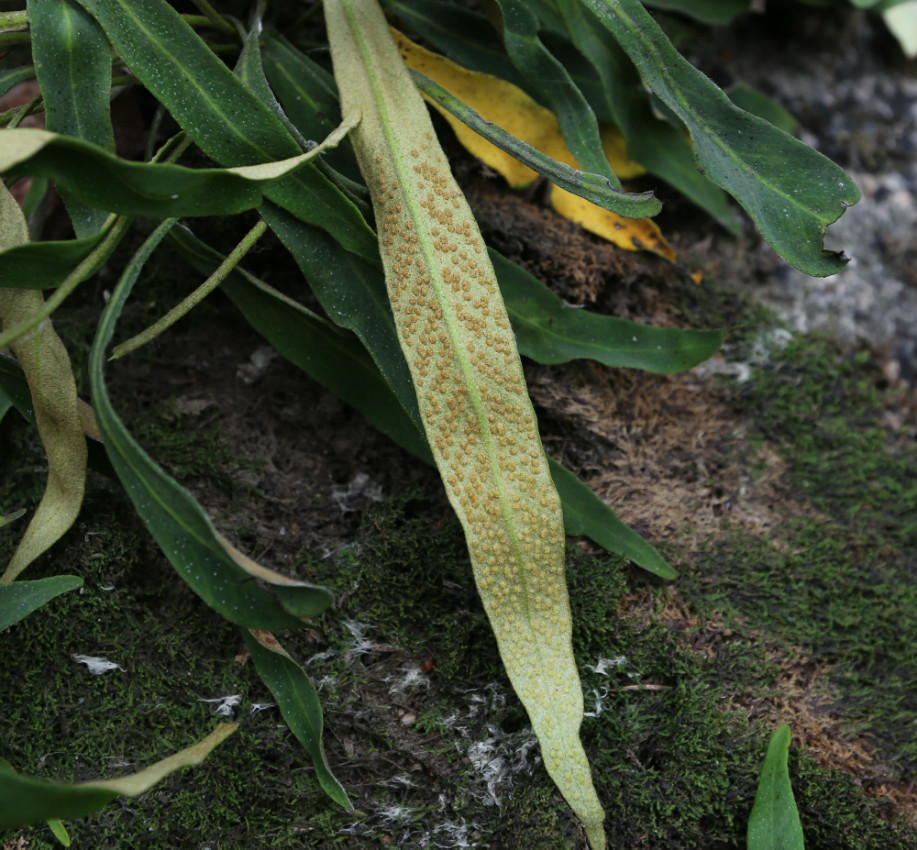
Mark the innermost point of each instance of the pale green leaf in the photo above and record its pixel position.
(25, 800)
(470, 389)
(46, 365)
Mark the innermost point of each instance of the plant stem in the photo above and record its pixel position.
(118, 225)
(195, 298)
(13, 117)
(18, 20)
(214, 16)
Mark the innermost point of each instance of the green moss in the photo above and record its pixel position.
(415, 586)
(62, 723)
(534, 817)
(672, 768)
(824, 410)
(665, 758)
(836, 583)
(715, 304)
(835, 817)
(188, 451)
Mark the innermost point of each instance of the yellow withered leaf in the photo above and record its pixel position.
(635, 234)
(496, 101)
(615, 147)
(511, 109)
(455, 334)
(140, 782)
(50, 377)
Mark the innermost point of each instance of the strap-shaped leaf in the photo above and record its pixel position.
(576, 118)
(308, 95)
(298, 702)
(306, 90)
(250, 69)
(47, 369)
(45, 265)
(240, 590)
(59, 831)
(549, 161)
(226, 120)
(471, 391)
(790, 191)
(144, 188)
(587, 515)
(651, 141)
(21, 598)
(25, 800)
(520, 31)
(550, 331)
(352, 293)
(73, 65)
(611, 85)
(774, 823)
(593, 187)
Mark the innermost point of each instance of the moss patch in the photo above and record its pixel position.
(834, 582)
(824, 409)
(421, 725)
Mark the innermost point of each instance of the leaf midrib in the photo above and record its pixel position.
(451, 323)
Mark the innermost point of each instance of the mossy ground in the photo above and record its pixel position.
(421, 724)
(835, 582)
